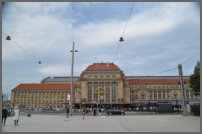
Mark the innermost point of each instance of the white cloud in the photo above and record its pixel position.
(34, 31)
(47, 30)
(38, 26)
(155, 21)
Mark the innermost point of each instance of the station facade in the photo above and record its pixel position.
(104, 85)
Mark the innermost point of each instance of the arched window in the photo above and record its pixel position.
(136, 97)
(142, 96)
(175, 95)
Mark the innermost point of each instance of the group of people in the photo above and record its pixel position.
(5, 114)
(84, 111)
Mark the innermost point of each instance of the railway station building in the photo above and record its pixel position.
(104, 85)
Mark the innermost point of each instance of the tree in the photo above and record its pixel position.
(195, 79)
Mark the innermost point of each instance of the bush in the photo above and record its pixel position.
(196, 110)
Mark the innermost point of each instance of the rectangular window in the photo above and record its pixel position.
(159, 95)
(192, 95)
(155, 95)
(108, 91)
(102, 86)
(133, 98)
(89, 91)
(136, 97)
(113, 91)
(142, 96)
(150, 95)
(95, 95)
(187, 94)
(168, 95)
(164, 96)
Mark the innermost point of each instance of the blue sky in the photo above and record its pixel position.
(158, 36)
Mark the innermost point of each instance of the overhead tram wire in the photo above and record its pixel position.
(116, 51)
(128, 19)
(190, 58)
(39, 62)
(163, 71)
(175, 67)
(124, 29)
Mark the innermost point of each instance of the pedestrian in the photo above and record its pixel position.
(67, 111)
(10, 112)
(16, 115)
(154, 109)
(4, 115)
(94, 112)
(83, 113)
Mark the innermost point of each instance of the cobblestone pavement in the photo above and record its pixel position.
(115, 123)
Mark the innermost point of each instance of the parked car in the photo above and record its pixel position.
(115, 111)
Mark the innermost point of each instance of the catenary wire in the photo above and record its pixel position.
(22, 47)
(128, 19)
(190, 58)
(176, 67)
(116, 51)
(124, 29)
(163, 71)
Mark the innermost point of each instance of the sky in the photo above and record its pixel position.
(157, 37)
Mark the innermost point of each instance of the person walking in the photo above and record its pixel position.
(94, 112)
(83, 113)
(4, 115)
(16, 116)
(10, 112)
(67, 111)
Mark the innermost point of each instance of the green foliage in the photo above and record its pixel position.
(196, 109)
(195, 79)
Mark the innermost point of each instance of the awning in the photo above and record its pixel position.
(153, 101)
(194, 102)
(141, 101)
(176, 102)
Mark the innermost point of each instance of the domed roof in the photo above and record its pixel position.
(103, 67)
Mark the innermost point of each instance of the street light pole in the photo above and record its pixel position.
(72, 77)
(184, 108)
(31, 101)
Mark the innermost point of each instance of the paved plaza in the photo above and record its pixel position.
(115, 123)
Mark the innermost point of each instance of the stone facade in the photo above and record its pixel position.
(37, 96)
(102, 83)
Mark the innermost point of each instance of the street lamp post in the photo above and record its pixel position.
(31, 101)
(184, 108)
(72, 69)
